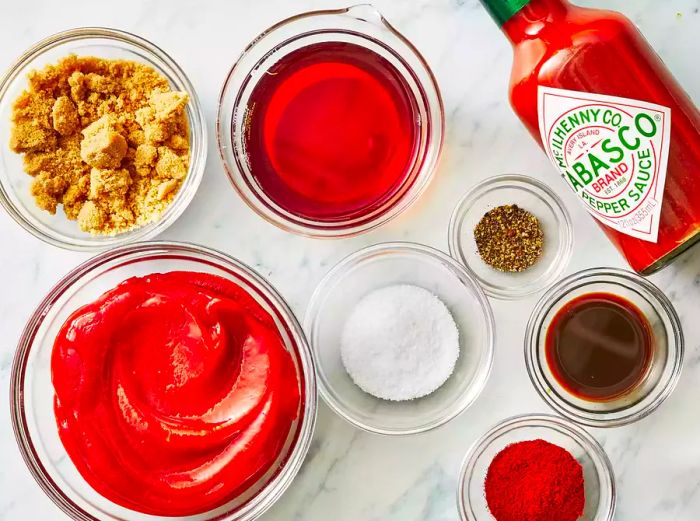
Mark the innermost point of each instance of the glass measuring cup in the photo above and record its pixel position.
(360, 25)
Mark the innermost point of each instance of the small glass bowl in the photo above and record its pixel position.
(32, 394)
(15, 184)
(531, 195)
(665, 366)
(599, 480)
(361, 25)
(384, 265)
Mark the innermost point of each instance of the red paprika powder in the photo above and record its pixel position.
(535, 481)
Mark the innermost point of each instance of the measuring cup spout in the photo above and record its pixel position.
(367, 13)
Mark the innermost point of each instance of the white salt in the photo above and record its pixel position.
(400, 343)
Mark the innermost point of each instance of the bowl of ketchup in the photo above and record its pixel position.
(330, 123)
(163, 379)
(604, 347)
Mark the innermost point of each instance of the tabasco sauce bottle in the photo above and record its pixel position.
(618, 127)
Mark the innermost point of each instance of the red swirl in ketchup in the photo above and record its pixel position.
(174, 392)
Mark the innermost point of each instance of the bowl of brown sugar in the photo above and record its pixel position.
(103, 140)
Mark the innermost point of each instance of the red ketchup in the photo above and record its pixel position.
(174, 392)
(331, 131)
(612, 119)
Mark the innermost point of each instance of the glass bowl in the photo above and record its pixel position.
(384, 265)
(31, 391)
(597, 470)
(531, 195)
(664, 368)
(15, 183)
(361, 25)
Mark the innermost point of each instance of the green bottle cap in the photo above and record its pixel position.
(502, 10)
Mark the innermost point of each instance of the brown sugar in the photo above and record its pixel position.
(106, 139)
(102, 146)
(65, 116)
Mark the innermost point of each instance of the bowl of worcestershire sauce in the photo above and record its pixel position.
(330, 123)
(604, 347)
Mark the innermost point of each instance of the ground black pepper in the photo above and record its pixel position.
(509, 238)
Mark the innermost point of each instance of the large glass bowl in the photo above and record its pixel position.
(32, 395)
(360, 25)
(599, 480)
(385, 265)
(15, 184)
(664, 368)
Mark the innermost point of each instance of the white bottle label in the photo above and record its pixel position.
(613, 152)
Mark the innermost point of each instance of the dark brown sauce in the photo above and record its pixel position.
(599, 346)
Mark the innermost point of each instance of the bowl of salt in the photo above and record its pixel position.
(403, 338)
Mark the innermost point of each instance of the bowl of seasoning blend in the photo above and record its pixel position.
(513, 233)
(163, 380)
(536, 467)
(402, 337)
(330, 123)
(604, 347)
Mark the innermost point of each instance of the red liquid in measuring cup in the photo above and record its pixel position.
(331, 131)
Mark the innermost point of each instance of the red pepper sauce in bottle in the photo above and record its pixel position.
(614, 121)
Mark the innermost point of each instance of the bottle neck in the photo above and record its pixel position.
(523, 19)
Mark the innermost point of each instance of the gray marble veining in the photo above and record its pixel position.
(350, 475)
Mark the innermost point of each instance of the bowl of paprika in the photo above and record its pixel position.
(536, 467)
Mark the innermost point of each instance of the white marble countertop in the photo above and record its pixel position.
(350, 475)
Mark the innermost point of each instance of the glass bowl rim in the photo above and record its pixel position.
(592, 447)
(332, 229)
(276, 486)
(197, 125)
(583, 278)
(339, 270)
(563, 256)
